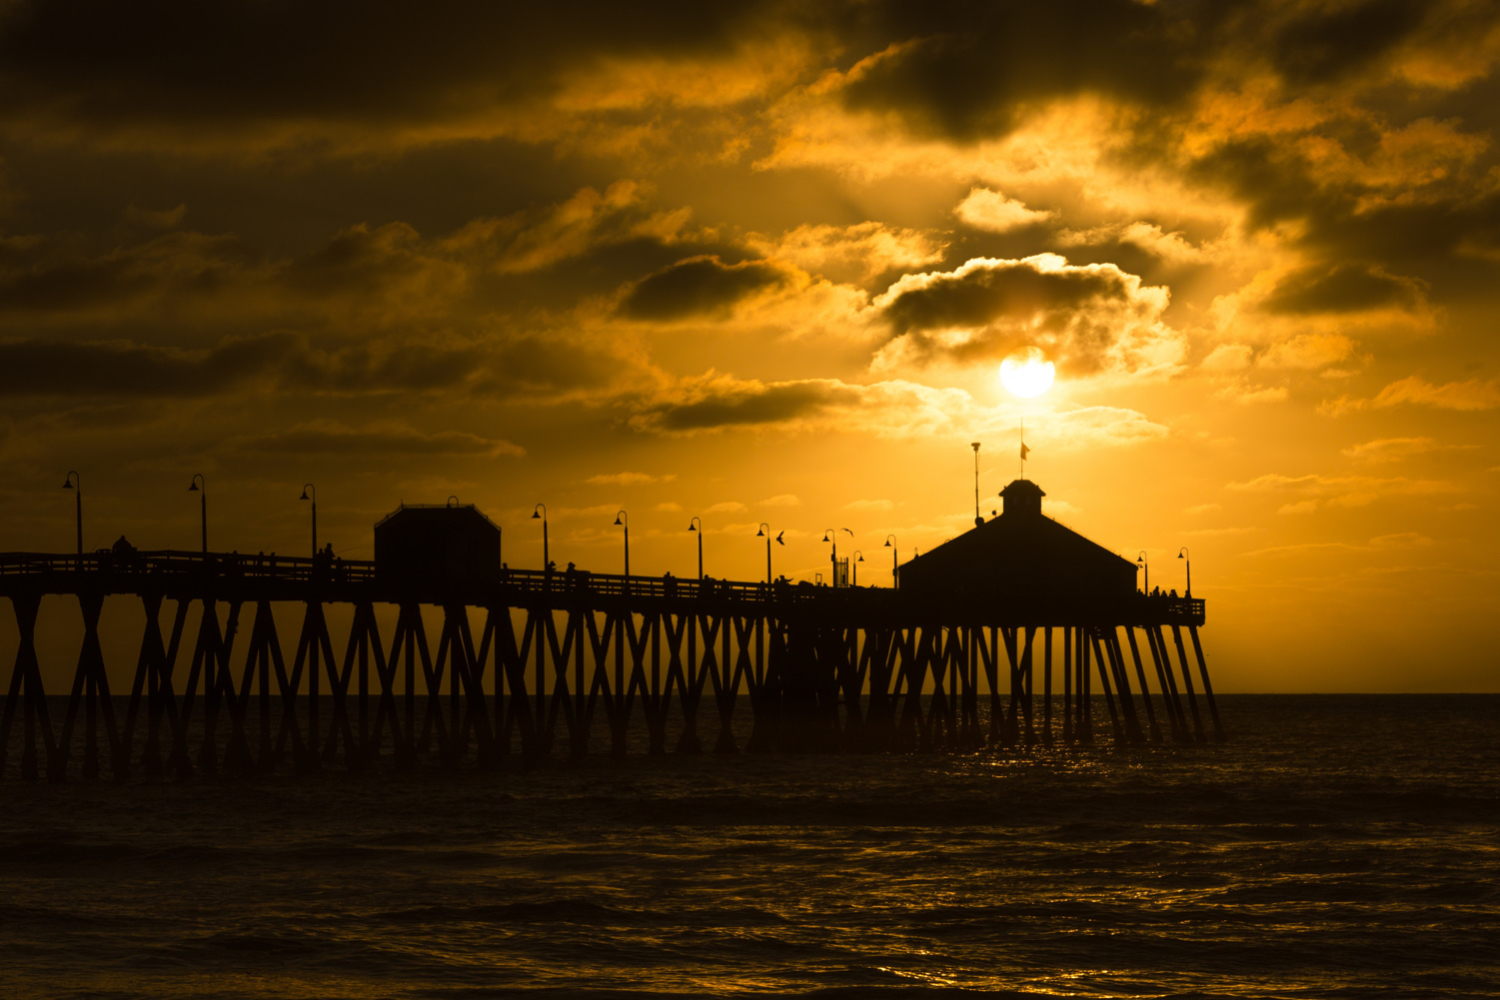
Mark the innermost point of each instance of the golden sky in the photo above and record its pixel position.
(761, 262)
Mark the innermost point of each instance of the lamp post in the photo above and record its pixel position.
(698, 522)
(856, 559)
(306, 487)
(202, 492)
(539, 512)
(1145, 566)
(890, 543)
(623, 520)
(1183, 555)
(978, 520)
(832, 535)
(69, 482)
(765, 532)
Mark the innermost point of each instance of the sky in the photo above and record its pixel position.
(761, 263)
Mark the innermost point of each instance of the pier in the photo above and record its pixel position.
(532, 664)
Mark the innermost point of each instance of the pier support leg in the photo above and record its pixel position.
(1208, 689)
(1187, 683)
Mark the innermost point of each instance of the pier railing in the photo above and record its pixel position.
(278, 577)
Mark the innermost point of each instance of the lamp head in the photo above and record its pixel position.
(193, 487)
(860, 559)
(887, 543)
(67, 484)
(692, 527)
(827, 534)
(760, 534)
(536, 515)
(617, 519)
(303, 496)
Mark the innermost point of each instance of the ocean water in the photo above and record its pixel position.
(1337, 847)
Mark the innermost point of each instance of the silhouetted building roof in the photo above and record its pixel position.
(1022, 561)
(435, 550)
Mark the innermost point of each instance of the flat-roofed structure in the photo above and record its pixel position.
(437, 549)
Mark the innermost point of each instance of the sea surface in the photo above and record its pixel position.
(1338, 846)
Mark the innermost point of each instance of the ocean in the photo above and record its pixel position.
(1337, 846)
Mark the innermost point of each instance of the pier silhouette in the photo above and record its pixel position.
(564, 657)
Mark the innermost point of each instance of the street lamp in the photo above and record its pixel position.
(857, 558)
(765, 532)
(1183, 555)
(540, 512)
(890, 543)
(832, 535)
(68, 484)
(202, 492)
(978, 520)
(1145, 566)
(698, 521)
(306, 487)
(623, 520)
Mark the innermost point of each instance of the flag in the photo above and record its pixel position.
(1024, 451)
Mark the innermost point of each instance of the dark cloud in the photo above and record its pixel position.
(534, 366)
(247, 63)
(969, 70)
(1344, 288)
(732, 403)
(1085, 318)
(60, 368)
(699, 286)
(326, 438)
(985, 291)
(1322, 43)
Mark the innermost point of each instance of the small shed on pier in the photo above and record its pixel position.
(437, 549)
(1023, 561)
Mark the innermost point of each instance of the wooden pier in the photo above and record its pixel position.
(565, 663)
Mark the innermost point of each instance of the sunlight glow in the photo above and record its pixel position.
(1027, 373)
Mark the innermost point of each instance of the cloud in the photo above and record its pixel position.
(1173, 247)
(546, 366)
(1340, 491)
(627, 479)
(1204, 508)
(726, 507)
(122, 368)
(669, 507)
(781, 500)
(1345, 288)
(995, 213)
(1470, 395)
(716, 401)
(165, 218)
(702, 286)
(1397, 449)
(464, 71)
(326, 437)
(860, 252)
(869, 505)
(1086, 318)
(894, 408)
(980, 82)
(1306, 351)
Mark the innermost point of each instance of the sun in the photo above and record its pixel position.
(1027, 373)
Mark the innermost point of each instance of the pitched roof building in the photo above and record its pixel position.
(1023, 562)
